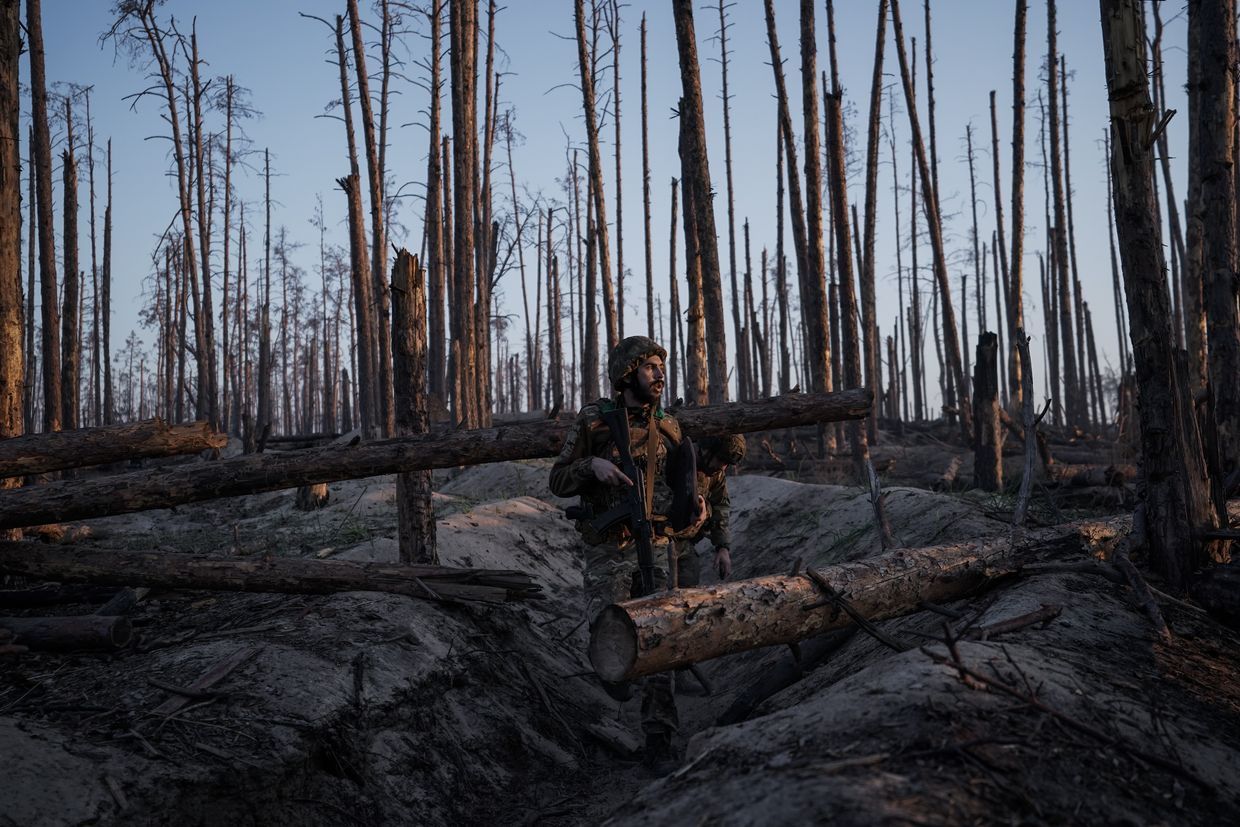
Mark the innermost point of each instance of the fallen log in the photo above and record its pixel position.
(78, 633)
(58, 450)
(673, 629)
(292, 575)
(126, 493)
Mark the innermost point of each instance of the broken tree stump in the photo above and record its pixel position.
(262, 574)
(58, 450)
(987, 442)
(76, 633)
(126, 493)
(673, 629)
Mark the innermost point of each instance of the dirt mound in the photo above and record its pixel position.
(378, 709)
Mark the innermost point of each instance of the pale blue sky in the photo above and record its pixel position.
(281, 58)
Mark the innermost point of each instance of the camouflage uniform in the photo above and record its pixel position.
(611, 573)
(712, 484)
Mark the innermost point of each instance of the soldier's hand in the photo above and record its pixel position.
(723, 563)
(608, 473)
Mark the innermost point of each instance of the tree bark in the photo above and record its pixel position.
(12, 351)
(434, 219)
(869, 319)
(987, 442)
(954, 362)
(82, 633)
(414, 511)
(289, 575)
(672, 629)
(120, 494)
(43, 453)
(378, 253)
(838, 182)
(650, 314)
(1212, 28)
(695, 176)
(71, 332)
(463, 26)
(585, 63)
(49, 293)
(1177, 502)
(743, 391)
(1014, 280)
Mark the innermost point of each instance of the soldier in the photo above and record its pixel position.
(588, 467)
(715, 455)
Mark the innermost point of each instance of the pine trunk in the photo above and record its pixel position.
(1212, 31)
(1177, 502)
(695, 175)
(415, 514)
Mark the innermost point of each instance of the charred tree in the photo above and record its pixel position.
(463, 26)
(695, 175)
(742, 350)
(1059, 238)
(71, 332)
(378, 253)
(12, 351)
(1212, 44)
(1013, 280)
(585, 62)
(650, 314)
(838, 183)
(434, 223)
(415, 514)
(49, 293)
(987, 443)
(1177, 504)
(869, 318)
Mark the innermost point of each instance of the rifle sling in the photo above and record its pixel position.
(652, 461)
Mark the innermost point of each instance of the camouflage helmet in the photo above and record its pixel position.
(627, 355)
(724, 450)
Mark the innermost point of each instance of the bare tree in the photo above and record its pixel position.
(1176, 502)
(12, 365)
(695, 175)
(742, 350)
(463, 26)
(585, 62)
(1212, 36)
(935, 229)
(49, 294)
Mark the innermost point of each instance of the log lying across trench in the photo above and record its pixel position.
(261, 574)
(83, 633)
(56, 451)
(672, 629)
(126, 493)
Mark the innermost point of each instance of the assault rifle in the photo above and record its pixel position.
(632, 510)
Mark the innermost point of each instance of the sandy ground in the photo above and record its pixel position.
(362, 708)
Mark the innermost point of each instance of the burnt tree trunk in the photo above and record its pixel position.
(42, 453)
(268, 574)
(49, 293)
(695, 175)
(1212, 29)
(676, 628)
(954, 362)
(434, 221)
(414, 512)
(1177, 500)
(120, 494)
(838, 183)
(1013, 280)
(987, 444)
(869, 319)
(463, 26)
(12, 364)
(585, 62)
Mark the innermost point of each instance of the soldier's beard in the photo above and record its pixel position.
(647, 394)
